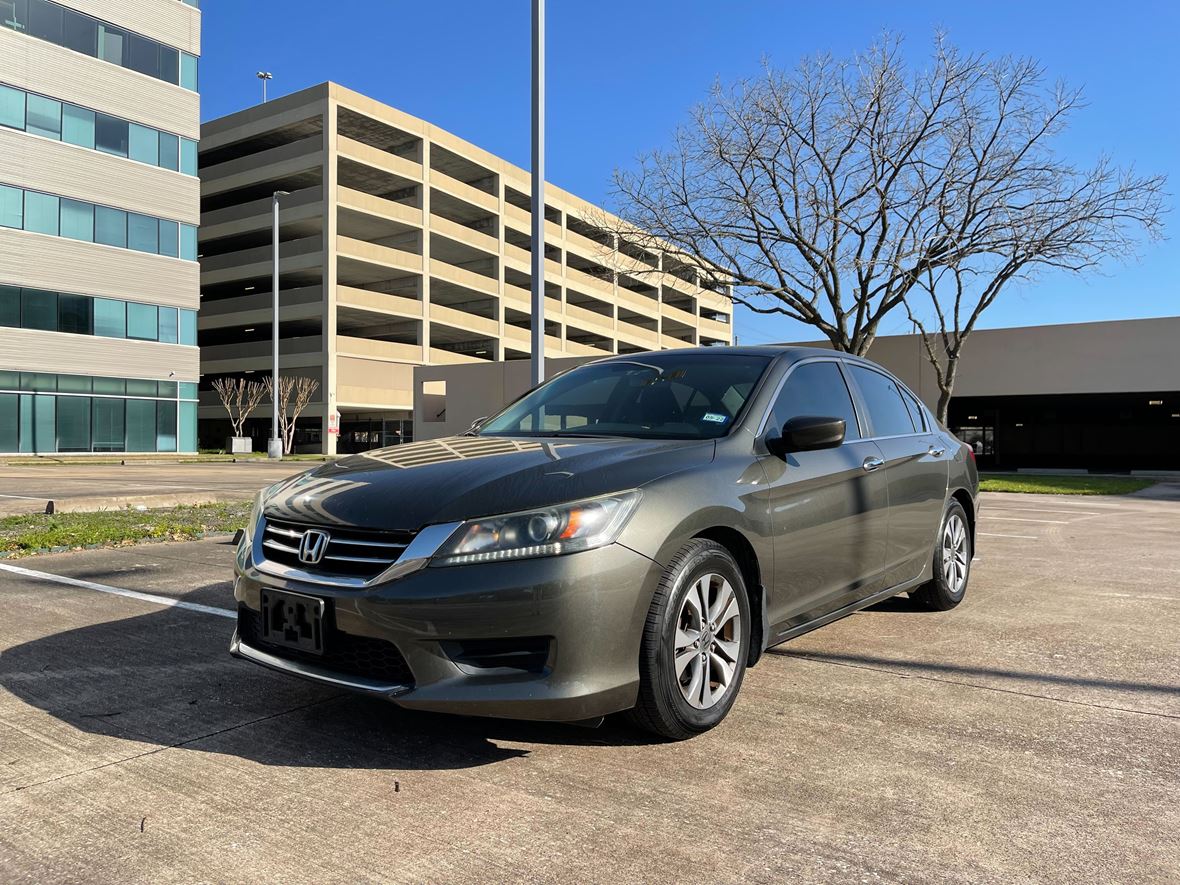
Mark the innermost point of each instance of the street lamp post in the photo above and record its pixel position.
(264, 76)
(274, 446)
(538, 195)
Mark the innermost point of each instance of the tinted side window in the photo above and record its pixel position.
(816, 389)
(887, 410)
(916, 412)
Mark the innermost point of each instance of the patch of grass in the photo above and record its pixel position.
(33, 533)
(1063, 485)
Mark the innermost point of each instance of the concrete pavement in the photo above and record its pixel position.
(1031, 734)
(81, 487)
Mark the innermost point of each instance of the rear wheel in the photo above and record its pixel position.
(695, 643)
(952, 562)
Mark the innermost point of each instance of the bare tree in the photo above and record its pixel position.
(828, 193)
(295, 392)
(239, 397)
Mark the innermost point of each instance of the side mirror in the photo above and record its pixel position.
(806, 433)
(476, 424)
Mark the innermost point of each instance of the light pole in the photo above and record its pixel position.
(264, 76)
(538, 201)
(274, 446)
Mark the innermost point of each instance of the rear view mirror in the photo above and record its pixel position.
(806, 433)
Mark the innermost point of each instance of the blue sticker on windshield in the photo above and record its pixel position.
(715, 417)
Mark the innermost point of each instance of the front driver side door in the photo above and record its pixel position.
(828, 508)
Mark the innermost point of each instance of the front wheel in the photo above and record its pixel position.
(695, 643)
(952, 562)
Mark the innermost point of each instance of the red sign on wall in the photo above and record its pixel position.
(333, 421)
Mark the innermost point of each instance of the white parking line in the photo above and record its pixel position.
(1048, 510)
(1024, 519)
(998, 535)
(118, 591)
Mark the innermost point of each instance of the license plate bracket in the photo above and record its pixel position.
(293, 620)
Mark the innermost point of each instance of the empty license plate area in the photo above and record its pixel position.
(293, 620)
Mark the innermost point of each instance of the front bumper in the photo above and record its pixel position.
(591, 605)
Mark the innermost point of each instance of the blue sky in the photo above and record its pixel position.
(612, 95)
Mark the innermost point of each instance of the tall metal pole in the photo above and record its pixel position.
(274, 447)
(538, 202)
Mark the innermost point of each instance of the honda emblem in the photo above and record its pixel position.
(312, 546)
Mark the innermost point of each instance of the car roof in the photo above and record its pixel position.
(790, 352)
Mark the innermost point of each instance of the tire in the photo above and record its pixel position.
(664, 706)
(952, 562)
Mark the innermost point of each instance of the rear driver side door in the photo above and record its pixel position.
(916, 470)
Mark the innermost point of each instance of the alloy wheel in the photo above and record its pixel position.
(708, 641)
(954, 554)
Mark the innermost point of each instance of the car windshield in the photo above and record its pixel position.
(654, 396)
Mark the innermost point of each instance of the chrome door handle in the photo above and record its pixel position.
(871, 464)
(936, 452)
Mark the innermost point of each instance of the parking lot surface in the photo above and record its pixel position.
(28, 488)
(1031, 734)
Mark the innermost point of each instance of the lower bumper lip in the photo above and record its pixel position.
(239, 649)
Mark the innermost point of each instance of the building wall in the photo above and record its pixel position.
(73, 381)
(1121, 357)
(415, 243)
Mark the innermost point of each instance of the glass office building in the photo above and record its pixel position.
(99, 207)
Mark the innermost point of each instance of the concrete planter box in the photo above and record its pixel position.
(239, 445)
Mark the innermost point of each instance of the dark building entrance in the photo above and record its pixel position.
(1095, 431)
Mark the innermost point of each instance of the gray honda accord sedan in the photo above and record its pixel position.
(629, 536)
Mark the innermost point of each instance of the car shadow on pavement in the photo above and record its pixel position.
(166, 679)
(919, 668)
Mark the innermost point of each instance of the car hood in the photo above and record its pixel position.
(406, 487)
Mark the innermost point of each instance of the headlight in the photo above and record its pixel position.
(549, 531)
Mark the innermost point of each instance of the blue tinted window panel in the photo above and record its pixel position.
(77, 220)
(143, 144)
(166, 426)
(168, 327)
(141, 425)
(143, 233)
(110, 226)
(43, 117)
(12, 207)
(188, 427)
(169, 151)
(142, 321)
(44, 423)
(188, 327)
(108, 425)
(10, 306)
(73, 424)
(111, 135)
(12, 107)
(188, 156)
(9, 422)
(188, 71)
(39, 310)
(110, 318)
(77, 126)
(169, 238)
(188, 242)
(41, 213)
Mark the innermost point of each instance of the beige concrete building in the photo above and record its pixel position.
(99, 203)
(1101, 396)
(403, 245)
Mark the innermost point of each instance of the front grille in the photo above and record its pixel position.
(349, 552)
(343, 652)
